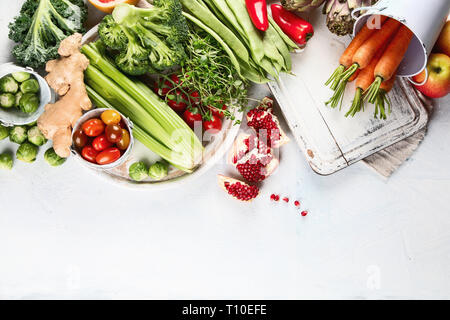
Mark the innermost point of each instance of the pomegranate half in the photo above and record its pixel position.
(254, 160)
(266, 124)
(238, 189)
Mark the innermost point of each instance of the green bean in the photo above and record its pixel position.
(291, 44)
(283, 49)
(252, 34)
(210, 21)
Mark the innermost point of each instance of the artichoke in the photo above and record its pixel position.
(339, 14)
(301, 5)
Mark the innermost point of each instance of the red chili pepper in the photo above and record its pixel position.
(295, 27)
(257, 9)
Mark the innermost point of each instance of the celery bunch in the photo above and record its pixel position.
(156, 125)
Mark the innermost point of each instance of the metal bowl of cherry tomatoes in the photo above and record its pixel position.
(102, 139)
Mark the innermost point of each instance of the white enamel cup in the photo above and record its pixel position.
(424, 18)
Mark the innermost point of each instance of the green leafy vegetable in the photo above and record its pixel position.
(53, 159)
(138, 171)
(18, 134)
(8, 85)
(7, 100)
(27, 152)
(36, 137)
(4, 132)
(42, 25)
(29, 103)
(21, 76)
(158, 170)
(30, 86)
(6, 161)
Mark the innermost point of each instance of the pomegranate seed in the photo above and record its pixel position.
(304, 213)
(272, 197)
(297, 203)
(277, 198)
(286, 199)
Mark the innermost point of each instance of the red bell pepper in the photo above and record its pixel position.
(295, 27)
(257, 9)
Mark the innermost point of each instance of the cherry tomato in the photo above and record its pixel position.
(111, 117)
(108, 156)
(100, 143)
(177, 100)
(216, 112)
(213, 124)
(191, 116)
(113, 133)
(125, 141)
(80, 139)
(194, 98)
(93, 127)
(89, 153)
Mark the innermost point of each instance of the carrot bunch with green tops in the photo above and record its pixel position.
(372, 59)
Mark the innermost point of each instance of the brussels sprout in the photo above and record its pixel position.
(21, 76)
(29, 103)
(8, 85)
(19, 96)
(27, 152)
(138, 171)
(6, 161)
(4, 132)
(30, 86)
(158, 170)
(36, 137)
(18, 134)
(53, 159)
(7, 100)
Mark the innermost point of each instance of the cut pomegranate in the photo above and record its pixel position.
(266, 124)
(254, 160)
(238, 189)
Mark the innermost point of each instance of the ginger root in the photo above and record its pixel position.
(66, 77)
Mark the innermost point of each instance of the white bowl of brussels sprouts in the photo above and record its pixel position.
(23, 95)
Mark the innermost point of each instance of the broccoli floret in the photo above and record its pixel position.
(112, 34)
(42, 25)
(157, 33)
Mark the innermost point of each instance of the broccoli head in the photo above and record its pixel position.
(158, 32)
(42, 25)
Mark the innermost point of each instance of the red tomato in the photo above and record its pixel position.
(113, 133)
(213, 124)
(177, 100)
(194, 98)
(80, 139)
(108, 156)
(191, 116)
(100, 143)
(89, 154)
(216, 112)
(125, 141)
(93, 127)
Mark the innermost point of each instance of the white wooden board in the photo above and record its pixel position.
(329, 140)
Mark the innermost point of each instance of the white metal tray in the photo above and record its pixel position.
(329, 140)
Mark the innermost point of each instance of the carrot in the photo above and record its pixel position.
(390, 60)
(354, 76)
(347, 57)
(364, 80)
(382, 98)
(363, 56)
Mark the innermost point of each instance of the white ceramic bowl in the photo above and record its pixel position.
(16, 117)
(96, 113)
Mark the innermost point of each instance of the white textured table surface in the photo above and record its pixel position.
(66, 234)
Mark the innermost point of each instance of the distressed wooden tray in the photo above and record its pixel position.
(329, 140)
